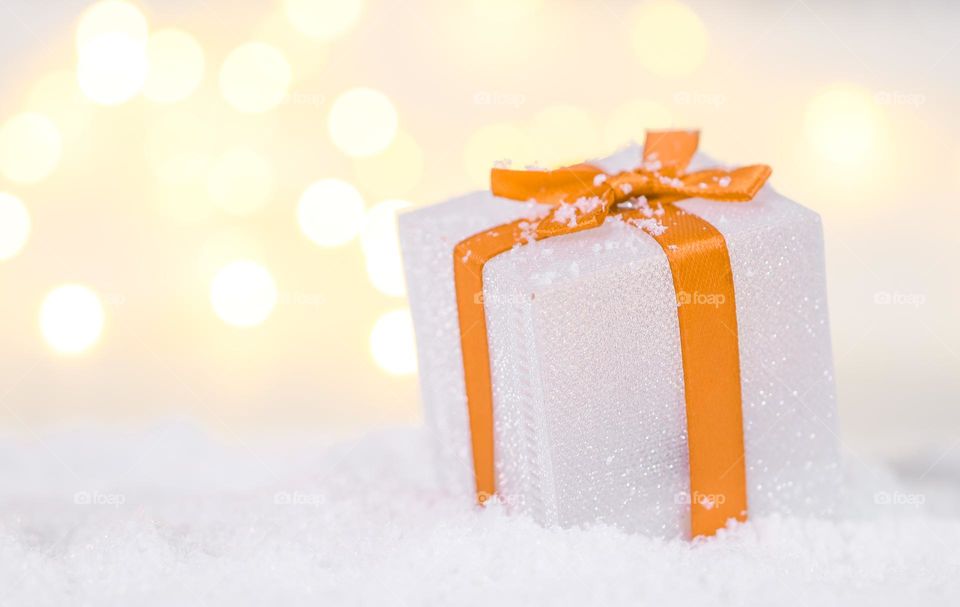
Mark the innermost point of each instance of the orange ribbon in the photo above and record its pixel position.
(582, 197)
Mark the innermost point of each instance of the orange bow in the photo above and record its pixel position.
(582, 196)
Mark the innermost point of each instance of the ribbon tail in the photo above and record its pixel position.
(710, 351)
(469, 258)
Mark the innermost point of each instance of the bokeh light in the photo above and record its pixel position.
(323, 19)
(179, 147)
(668, 37)
(495, 143)
(362, 122)
(111, 52)
(14, 225)
(225, 246)
(564, 134)
(255, 77)
(176, 65)
(392, 343)
(30, 148)
(243, 293)
(843, 124)
(330, 212)
(112, 69)
(183, 202)
(57, 95)
(108, 18)
(395, 171)
(381, 247)
(241, 181)
(505, 10)
(630, 121)
(71, 318)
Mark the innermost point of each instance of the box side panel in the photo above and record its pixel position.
(789, 407)
(607, 375)
(790, 422)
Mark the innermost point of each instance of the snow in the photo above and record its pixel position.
(170, 516)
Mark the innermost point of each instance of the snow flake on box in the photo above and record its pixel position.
(568, 212)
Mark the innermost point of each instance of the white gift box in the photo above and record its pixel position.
(589, 415)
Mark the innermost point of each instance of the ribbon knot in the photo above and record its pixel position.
(583, 195)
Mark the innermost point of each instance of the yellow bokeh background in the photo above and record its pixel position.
(198, 203)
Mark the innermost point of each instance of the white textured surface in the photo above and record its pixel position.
(201, 524)
(588, 391)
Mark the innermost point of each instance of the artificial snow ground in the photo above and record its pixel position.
(168, 516)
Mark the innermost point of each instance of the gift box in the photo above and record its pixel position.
(640, 341)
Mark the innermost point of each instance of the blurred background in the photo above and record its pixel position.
(198, 198)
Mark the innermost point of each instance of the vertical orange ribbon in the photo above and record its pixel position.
(582, 197)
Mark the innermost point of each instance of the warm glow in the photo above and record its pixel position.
(392, 343)
(30, 148)
(496, 143)
(241, 181)
(111, 52)
(381, 247)
(176, 66)
(506, 10)
(243, 294)
(185, 202)
(564, 135)
(362, 122)
(330, 212)
(843, 125)
(71, 319)
(395, 171)
(630, 121)
(14, 225)
(323, 19)
(225, 246)
(112, 69)
(57, 95)
(668, 37)
(178, 147)
(255, 77)
(956, 171)
(108, 18)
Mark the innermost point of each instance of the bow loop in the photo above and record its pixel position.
(546, 187)
(583, 195)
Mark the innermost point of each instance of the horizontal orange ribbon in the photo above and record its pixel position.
(582, 197)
